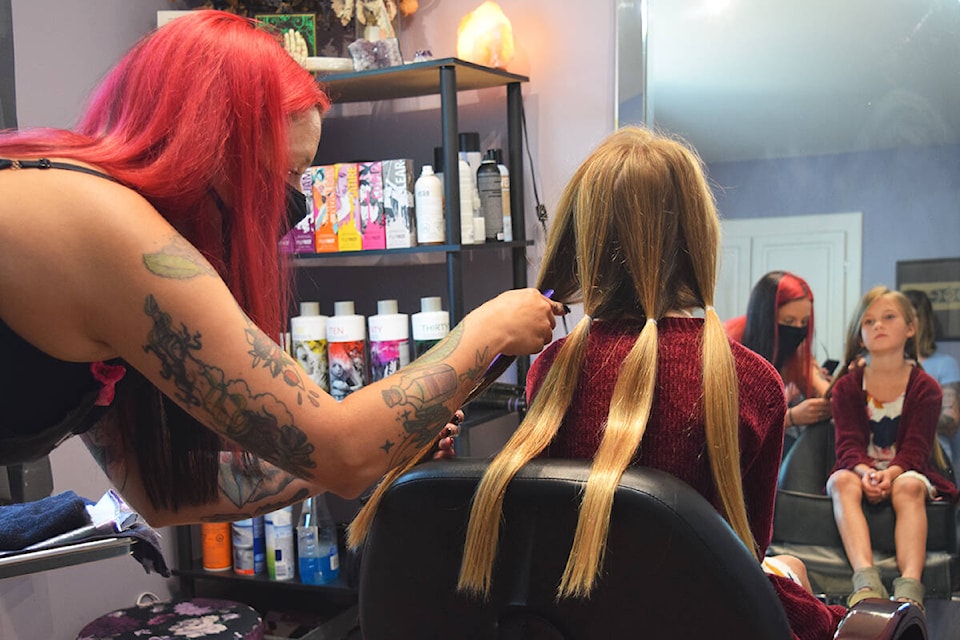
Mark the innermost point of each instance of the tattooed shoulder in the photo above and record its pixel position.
(178, 260)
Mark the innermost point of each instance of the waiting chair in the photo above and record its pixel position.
(804, 525)
(673, 568)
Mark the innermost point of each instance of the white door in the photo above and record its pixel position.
(824, 250)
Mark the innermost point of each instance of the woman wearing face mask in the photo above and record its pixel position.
(778, 326)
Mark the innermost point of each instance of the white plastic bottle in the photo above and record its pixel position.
(428, 201)
(317, 548)
(491, 193)
(430, 325)
(308, 342)
(389, 340)
(278, 531)
(466, 203)
(346, 350)
(505, 196)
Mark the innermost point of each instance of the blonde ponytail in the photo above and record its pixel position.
(529, 440)
(629, 412)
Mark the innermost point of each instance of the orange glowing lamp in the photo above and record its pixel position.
(485, 37)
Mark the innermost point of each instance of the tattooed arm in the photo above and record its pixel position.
(129, 286)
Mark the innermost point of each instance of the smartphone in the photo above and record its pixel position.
(830, 366)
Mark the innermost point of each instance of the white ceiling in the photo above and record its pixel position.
(749, 79)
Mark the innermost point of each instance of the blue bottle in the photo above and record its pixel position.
(319, 560)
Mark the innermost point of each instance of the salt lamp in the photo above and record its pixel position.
(485, 37)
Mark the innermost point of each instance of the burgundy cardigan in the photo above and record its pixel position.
(674, 440)
(915, 434)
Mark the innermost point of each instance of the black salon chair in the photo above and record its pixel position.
(804, 526)
(673, 568)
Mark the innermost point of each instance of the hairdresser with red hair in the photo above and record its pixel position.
(141, 288)
(779, 326)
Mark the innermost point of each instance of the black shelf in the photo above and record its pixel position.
(422, 254)
(412, 80)
(338, 589)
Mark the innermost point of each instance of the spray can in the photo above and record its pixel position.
(491, 195)
(504, 196)
(346, 350)
(278, 532)
(215, 538)
(430, 325)
(308, 342)
(428, 201)
(389, 340)
(249, 547)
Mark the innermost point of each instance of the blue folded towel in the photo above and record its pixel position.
(24, 524)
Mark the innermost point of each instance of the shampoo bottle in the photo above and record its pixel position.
(428, 201)
(389, 340)
(308, 342)
(466, 203)
(346, 346)
(278, 531)
(430, 325)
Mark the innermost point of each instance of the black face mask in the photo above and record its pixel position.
(788, 339)
(296, 206)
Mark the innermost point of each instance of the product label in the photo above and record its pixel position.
(324, 197)
(347, 201)
(347, 367)
(372, 224)
(387, 356)
(312, 356)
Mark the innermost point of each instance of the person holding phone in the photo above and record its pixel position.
(778, 325)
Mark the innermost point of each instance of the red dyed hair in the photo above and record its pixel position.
(757, 330)
(202, 104)
(798, 368)
(206, 100)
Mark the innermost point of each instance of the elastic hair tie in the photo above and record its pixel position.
(709, 308)
(649, 320)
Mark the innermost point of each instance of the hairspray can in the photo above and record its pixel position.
(491, 196)
(346, 346)
(278, 531)
(430, 325)
(249, 547)
(505, 196)
(389, 340)
(216, 546)
(308, 342)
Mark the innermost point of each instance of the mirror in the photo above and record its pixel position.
(830, 133)
(752, 79)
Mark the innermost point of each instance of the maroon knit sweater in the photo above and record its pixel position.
(675, 441)
(915, 434)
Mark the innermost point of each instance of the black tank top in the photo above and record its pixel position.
(43, 400)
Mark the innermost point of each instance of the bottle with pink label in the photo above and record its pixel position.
(389, 340)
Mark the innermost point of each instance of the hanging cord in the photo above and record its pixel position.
(541, 208)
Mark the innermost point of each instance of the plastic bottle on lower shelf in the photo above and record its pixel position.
(317, 543)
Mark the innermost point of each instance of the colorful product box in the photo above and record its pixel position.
(372, 227)
(346, 199)
(400, 219)
(301, 238)
(324, 218)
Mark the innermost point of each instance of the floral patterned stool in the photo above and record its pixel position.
(198, 618)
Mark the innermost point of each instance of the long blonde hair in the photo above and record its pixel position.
(636, 235)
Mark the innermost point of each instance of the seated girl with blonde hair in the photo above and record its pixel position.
(636, 240)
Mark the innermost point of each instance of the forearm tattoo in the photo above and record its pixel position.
(260, 423)
(254, 494)
(421, 391)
